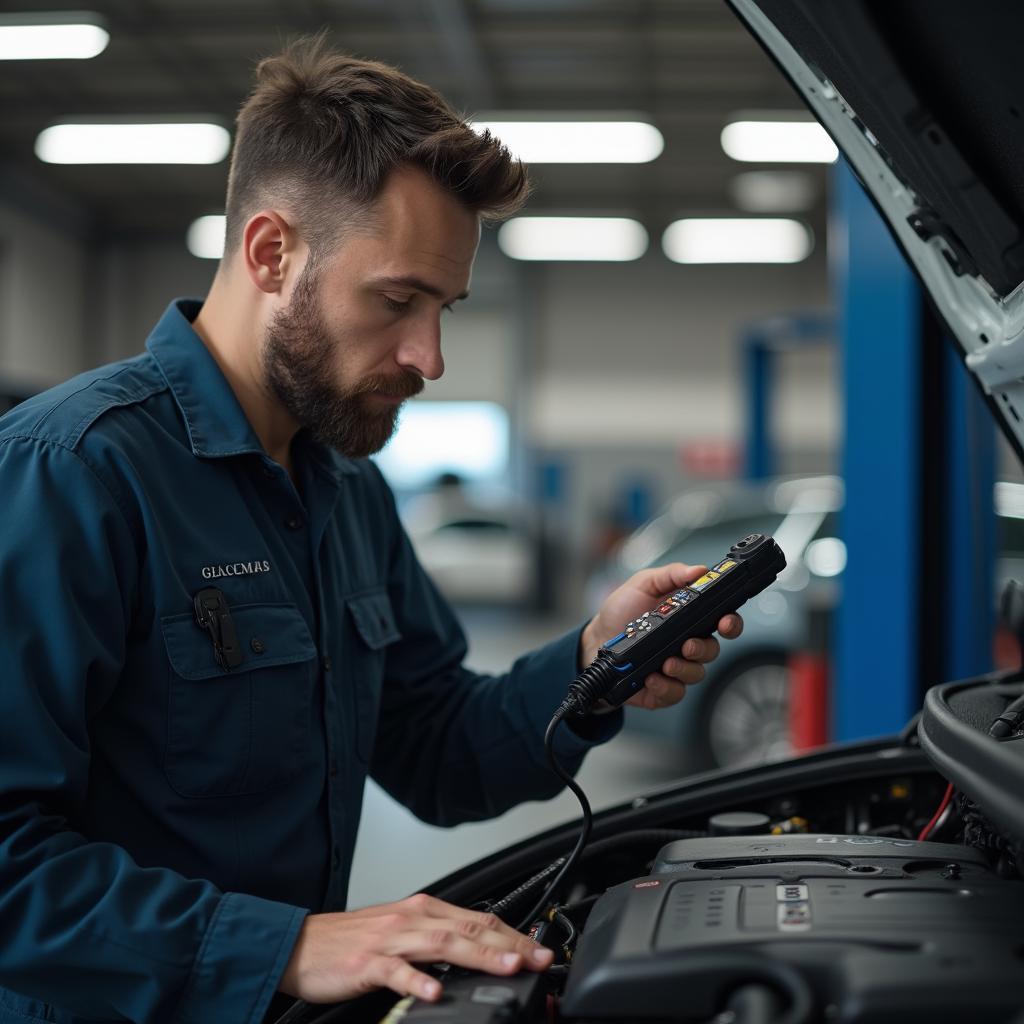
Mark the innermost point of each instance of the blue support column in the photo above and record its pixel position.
(971, 524)
(877, 628)
(758, 377)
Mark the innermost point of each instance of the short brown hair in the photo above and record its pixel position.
(320, 125)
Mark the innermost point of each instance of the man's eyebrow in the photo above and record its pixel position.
(411, 281)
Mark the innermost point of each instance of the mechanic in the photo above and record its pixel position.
(179, 802)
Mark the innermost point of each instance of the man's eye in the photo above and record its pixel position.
(394, 305)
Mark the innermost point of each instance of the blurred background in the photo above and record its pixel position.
(697, 329)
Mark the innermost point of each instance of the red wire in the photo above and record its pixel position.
(552, 1005)
(926, 831)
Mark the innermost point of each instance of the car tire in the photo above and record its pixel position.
(744, 714)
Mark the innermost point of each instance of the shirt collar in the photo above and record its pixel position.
(215, 421)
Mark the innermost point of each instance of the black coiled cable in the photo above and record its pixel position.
(585, 690)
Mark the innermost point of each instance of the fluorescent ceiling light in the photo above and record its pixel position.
(205, 237)
(573, 238)
(788, 142)
(736, 240)
(58, 36)
(126, 143)
(578, 142)
(773, 191)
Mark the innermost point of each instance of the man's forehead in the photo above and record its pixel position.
(431, 267)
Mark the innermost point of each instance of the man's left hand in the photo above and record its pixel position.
(640, 593)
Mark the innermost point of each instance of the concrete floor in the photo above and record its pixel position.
(397, 855)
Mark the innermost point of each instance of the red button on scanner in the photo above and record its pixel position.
(667, 608)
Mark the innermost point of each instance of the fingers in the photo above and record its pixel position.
(660, 692)
(341, 955)
(400, 976)
(699, 649)
(472, 923)
(730, 626)
(484, 952)
(664, 578)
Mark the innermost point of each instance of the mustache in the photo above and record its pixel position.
(403, 385)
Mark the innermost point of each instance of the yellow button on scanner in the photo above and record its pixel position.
(725, 566)
(706, 580)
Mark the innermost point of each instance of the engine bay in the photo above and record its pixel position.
(868, 927)
(855, 884)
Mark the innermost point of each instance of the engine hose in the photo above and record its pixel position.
(521, 892)
(651, 836)
(745, 975)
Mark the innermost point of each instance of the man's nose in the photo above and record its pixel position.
(420, 349)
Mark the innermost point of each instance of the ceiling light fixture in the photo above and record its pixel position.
(736, 240)
(787, 142)
(773, 191)
(577, 142)
(125, 142)
(205, 237)
(68, 35)
(606, 239)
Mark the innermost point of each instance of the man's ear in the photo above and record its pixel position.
(271, 251)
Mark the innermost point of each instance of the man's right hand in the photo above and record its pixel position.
(340, 956)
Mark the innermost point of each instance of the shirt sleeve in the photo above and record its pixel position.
(457, 746)
(81, 924)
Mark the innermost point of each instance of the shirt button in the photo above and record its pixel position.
(327, 663)
(293, 522)
(257, 645)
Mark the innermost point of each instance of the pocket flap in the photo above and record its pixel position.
(374, 618)
(268, 635)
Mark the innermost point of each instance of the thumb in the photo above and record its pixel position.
(663, 578)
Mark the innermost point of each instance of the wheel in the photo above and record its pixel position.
(744, 718)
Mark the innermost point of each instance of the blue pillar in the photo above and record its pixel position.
(971, 524)
(758, 364)
(879, 302)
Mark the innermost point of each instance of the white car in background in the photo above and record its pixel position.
(478, 551)
(740, 715)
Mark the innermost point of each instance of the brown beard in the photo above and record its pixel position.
(298, 361)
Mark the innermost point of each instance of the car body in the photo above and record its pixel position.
(478, 549)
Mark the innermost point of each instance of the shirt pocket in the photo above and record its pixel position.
(373, 622)
(232, 732)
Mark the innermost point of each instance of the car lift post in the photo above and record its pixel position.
(918, 525)
(879, 307)
(761, 344)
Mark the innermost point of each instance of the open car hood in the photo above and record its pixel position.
(925, 98)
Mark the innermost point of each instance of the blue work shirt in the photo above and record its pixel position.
(166, 823)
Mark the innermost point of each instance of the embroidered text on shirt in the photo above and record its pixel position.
(214, 572)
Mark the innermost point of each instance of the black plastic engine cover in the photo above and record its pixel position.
(882, 929)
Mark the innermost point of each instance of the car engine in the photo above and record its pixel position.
(870, 883)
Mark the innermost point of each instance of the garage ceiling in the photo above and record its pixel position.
(686, 64)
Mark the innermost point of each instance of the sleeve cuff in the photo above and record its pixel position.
(243, 955)
(552, 668)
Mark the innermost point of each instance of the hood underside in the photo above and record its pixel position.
(925, 98)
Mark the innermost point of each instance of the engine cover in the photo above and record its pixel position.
(881, 929)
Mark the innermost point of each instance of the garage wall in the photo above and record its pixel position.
(45, 301)
(137, 281)
(606, 366)
(649, 351)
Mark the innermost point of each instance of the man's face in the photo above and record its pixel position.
(362, 331)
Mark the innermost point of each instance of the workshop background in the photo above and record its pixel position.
(596, 414)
